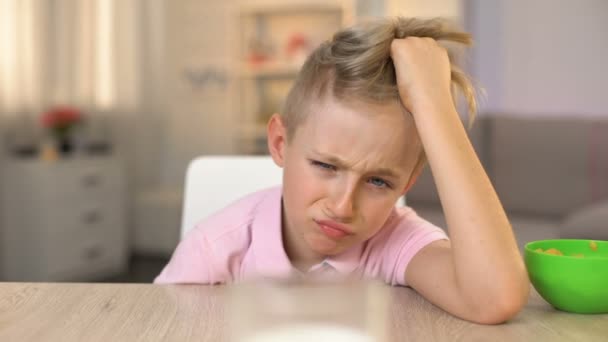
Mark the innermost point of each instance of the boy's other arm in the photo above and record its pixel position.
(479, 275)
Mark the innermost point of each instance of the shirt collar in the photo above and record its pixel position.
(348, 261)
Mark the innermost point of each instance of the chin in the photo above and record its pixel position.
(324, 246)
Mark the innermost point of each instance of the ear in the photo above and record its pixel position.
(277, 139)
(415, 174)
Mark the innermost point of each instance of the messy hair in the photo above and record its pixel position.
(356, 64)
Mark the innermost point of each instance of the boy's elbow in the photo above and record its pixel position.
(501, 312)
(504, 306)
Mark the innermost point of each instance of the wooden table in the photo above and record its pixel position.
(138, 312)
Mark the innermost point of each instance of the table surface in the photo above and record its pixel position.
(145, 312)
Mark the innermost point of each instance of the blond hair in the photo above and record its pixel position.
(356, 64)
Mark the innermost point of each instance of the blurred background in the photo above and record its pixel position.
(103, 103)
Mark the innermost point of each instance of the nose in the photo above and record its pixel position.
(341, 205)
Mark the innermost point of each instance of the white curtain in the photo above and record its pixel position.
(103, 56)
(77, 52)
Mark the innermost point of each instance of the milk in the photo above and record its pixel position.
(317, 332)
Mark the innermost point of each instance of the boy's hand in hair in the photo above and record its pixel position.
(423, 73)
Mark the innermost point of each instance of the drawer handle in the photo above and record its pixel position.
(92, 217)
(92, 253)
(91, 180)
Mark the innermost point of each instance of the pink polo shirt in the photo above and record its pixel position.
(244, 240)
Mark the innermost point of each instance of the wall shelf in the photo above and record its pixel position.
(273, 40)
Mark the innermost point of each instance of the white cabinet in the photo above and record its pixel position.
(273, 40)
(63, 221)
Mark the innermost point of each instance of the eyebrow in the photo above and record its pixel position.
(341, 164)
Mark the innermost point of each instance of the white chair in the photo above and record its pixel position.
(213, 182)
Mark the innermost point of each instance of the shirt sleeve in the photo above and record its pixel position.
(191, 262)
(411, 234)
(214, 251)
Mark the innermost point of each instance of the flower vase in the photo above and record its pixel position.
(65, 145)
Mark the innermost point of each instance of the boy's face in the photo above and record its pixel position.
(344, 170)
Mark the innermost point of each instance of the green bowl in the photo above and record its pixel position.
(570, 283)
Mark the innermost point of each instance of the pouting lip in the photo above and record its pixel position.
(335, 225)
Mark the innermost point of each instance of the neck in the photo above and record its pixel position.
(300, 256)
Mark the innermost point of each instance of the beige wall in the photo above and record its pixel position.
(542, 56)
(425, 8)
(198, 115)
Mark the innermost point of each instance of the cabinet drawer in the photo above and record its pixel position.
(89, 235)
(65, 179)
(83, 217)
(73, 262)
(84, 183)
(76, 248)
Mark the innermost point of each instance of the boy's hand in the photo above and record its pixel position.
(423, 73)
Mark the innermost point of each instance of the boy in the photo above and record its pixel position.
(367, 110)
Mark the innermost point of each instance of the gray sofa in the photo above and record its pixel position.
(551, 175)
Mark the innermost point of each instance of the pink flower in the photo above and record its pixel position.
(61, 117)
(60, 120)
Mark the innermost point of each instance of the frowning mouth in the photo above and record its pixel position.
(333, 229)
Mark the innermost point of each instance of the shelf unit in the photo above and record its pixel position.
(273, 40)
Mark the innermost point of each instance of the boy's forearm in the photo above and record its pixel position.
(486, 258)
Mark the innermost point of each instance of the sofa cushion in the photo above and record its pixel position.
(540, 166)
(531, 228)
(588, 223)
(598, 162)
(525, 228)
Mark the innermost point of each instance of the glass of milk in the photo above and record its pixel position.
(308, 310)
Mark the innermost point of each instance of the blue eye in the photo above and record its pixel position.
(322, 165)
(378, 182)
